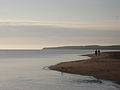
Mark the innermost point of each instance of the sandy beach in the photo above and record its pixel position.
(105, 66)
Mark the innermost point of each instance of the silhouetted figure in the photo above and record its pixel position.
(96, 52)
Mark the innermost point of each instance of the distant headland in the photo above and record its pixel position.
(92, 47)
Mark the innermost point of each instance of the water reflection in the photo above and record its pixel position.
(25, 73)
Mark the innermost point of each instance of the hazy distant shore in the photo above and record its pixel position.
(106, 66)
(88, 47)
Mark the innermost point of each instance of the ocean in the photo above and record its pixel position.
(28, 70)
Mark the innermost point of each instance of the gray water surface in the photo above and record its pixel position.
(27, 70)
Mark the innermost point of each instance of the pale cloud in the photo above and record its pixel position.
(36, 37)
(104, 25)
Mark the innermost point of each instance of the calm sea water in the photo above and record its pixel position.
(27, 70)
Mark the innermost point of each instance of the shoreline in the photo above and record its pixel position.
(106, 66)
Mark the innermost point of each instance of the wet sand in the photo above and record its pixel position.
(105, 66)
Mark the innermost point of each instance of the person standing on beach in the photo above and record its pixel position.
(96, 52)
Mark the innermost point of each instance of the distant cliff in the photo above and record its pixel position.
(112, 47)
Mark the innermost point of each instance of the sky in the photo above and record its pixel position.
(34, 24)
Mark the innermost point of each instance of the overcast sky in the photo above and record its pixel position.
(42, 23)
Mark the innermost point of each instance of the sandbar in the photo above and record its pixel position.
(105, 66)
